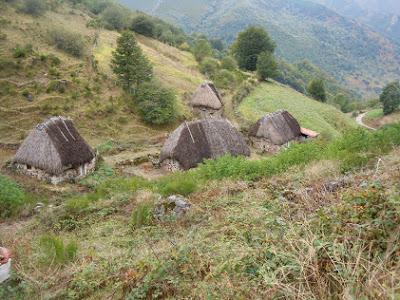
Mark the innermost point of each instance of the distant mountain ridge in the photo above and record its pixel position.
(381, 15)
(354, 54)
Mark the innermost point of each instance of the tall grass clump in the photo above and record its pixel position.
(12, 197)
(177, 184)
(142, 215)
(353, 150)
(241, 168)
(53, 250)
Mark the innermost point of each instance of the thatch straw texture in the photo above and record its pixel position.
(195, 141)
(207, 96)
(279, 128)
(54, 146)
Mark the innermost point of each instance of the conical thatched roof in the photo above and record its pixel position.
(192, 142)
(279, 127)
(207, 96)
(53, 146)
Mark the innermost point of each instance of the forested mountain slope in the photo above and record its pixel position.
(383, 16)
(353, 53)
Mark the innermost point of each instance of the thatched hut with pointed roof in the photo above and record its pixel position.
(193, 142)
(206, 101)
(275, 130)
(54, 151)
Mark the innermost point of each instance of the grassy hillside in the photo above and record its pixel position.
(376, 119)
(269, 97)
(351, 52)
(34, 87)
(287, 226)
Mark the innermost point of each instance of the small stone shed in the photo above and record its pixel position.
(193, 142)
(54, 151)
(276, 129)
(207, 102)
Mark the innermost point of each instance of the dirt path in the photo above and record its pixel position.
(360, 122)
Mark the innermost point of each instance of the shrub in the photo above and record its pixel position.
(316, 89)
(97, 6)
(143, 25)
(228, 63)
(115, 17)
(33, 7)
(202, 49)
(224, 79)
(22, 51)
(209, 66)
(142, 215)
(53, 249)
(12, 197)
(68, 41)
(266, 66)
(157, 105)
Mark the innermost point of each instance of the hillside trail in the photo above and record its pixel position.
(360, 122)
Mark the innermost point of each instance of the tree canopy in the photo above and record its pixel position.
(129, 63)
(316, 89)
(266, 66)
(143, 25)
(202, 49)
(249, 45)
(390, 97)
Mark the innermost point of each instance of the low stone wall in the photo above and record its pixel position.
(264, 145)
(67, 175)
(171, 165)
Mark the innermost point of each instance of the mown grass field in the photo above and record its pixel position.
(269, 97)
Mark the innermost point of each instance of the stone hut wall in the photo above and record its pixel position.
(67, 175)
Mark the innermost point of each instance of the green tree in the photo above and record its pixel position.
(115, 17)
(156, 104)
(343, 103)
(249, 45)
(224, 79)
(228, 63)
(217, 44)
(129, 63)
(266, 66)
(202, 49)
(390, 97)
(316, 89)
(209, 66)
(143, 25)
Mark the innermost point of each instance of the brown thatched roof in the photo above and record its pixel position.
(279, 127)
(53, 146)
(192, 142)
(207, 96)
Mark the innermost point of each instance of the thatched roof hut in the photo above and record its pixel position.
(54, 146)
(207, 96)
(279, 128)
(192, 142)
